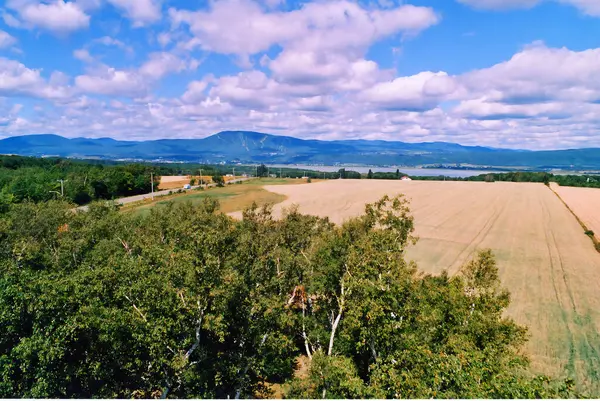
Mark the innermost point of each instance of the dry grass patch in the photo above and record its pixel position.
(232, 198)
(545, 259)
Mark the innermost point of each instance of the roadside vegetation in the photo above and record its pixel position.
(188, 302)
(39, 180)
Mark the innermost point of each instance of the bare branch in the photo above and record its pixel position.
(137, 309)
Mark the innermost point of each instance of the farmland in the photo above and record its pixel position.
(546, 261)
(178, 181)
(231, 198)
(584, 203)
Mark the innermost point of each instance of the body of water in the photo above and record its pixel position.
(426, 172)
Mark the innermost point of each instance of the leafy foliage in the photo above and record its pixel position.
(191, 303)
(37, 180)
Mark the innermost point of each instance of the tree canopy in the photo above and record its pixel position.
(188, 302)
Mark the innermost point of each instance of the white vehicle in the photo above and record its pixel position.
(187, 186)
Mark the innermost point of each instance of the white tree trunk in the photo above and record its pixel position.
(336, 322)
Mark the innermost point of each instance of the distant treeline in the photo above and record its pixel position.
(590, 181)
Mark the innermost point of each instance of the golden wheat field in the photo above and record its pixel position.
(584, 202)
(546, 261)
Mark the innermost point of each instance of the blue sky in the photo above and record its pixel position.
(506, 73)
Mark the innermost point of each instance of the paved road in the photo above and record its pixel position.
(137, 198)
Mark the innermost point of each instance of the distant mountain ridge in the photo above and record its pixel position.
(255, 147)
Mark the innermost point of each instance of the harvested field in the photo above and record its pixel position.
(173, 181)
(584, 202)
(546, 261)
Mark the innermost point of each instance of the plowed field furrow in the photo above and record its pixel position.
(544, 258)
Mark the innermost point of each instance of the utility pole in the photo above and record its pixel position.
(268, 171)
(201, 181)
(152, 184)
(234, 173)
(280, 176)
(257, 171)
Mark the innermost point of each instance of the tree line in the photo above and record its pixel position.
(40, 180)
(567, 180)
(189, 302)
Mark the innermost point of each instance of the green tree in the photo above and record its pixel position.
(370, 174)
(218, 179)
(262, 171)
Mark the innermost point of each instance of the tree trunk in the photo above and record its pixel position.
(189, 351)
(336, 322)
(238, 392)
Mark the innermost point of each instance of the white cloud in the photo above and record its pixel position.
(105, 80)
(141, 12)
(195, 92)
(6, 40)
(590, 7)
(540, 74)
(418, 92)
(324, 43)
(57, 16)
(317, 26)
(83, 55)
(18, 80)
(110, 81)
(163, 63)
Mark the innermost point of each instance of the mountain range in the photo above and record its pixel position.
(255, 147)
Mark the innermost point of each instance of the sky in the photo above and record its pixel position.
(521, 74)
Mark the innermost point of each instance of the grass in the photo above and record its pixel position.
(231, 198)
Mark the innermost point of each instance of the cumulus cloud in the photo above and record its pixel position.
(18, 80)
(318, 26)
(141, 12)
(422, 91)
(540, 74)
(57, 16)
(105, 80)
(110, 81)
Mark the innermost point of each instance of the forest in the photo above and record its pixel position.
(190, 303)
